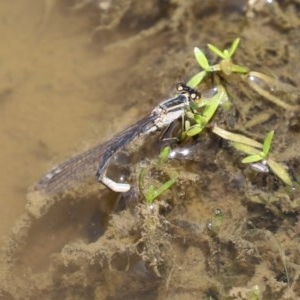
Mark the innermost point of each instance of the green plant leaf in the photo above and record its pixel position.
(234, 137)
(245, 148)
(196, 79)
(233, 47)
(252, 159)
(164, 153)
(150, 194)
(280, 171)
(166, 186)
(239, 69)
(194, 130)
(201, 59)
(216, 50)
(211, 107)
(268, 142)
(200, 119)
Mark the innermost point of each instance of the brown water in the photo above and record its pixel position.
(65, 87)
(54, 92)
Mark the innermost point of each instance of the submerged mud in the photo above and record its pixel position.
(223, 230)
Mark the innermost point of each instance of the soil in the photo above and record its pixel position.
(73, 73)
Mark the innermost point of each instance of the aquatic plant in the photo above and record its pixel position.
(200, 116)
(258, 155)
(150, 192)
(202, 111)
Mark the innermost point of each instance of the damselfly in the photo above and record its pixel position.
(96, 160)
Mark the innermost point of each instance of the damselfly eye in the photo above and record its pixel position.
(180, 87)
(194, 96)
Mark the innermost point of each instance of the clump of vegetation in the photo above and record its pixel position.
(150, 192)
(201, 113)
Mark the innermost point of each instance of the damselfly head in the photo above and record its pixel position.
(190, 92)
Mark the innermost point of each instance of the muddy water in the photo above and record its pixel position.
(54, 95)
(65, 87)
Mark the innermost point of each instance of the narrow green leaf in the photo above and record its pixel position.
(252, 159)
(166, 186)
(200, 119)
(194, 130)
(196, 79)
(216, 50)
(164, 153)
(211, 107)
(201, 59)
(150, 194)
(245, 148)
(234, 137)
(268, 142)
(239, 69)
(280, 171)
(233, 47)
(226, 54)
